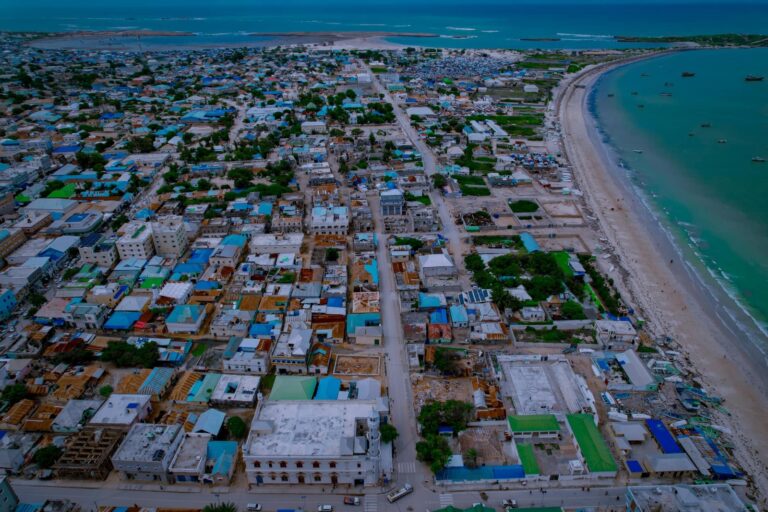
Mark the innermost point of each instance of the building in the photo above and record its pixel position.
(200, 459)
(87, 454)
(247, 355)
(231, 322)
(7, 303)
(8, 498)
(291, 351)
(99, 250)
(10, 240)
(121, 411)
(186, 318)
(392, 202)
(271, 243)
(169, 236)
(681, 497)
(329, 220)
(147, 452)
(322, 442)
(236, 391)
(136, 241)
(614, 334)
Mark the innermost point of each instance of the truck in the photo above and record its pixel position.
(395, 495)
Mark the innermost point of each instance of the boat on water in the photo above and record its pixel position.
(641, 106)
(688, 74)
(668, 84)
(722, 141)
(638, 151)
(758, 159)
(706, 125)
(666, 94)
(753, 78)
(691, 134)
(634, 93)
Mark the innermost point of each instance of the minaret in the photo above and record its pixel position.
(373, 472)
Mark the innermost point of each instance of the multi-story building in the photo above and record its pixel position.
(276, 243)
(147, 452)
(7, 302)
(247, 355)
(8, 498)
(99, 250)
(332, 220)
(86, 316)
(321, 442)
(136, 241)
(10, 240)
(392, 202)
(33, 222)
(291, 351)
(169, 236)
(287, 224)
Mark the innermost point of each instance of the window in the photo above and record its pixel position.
(283, 464)
(284, 477)
(332, 464)
(315, 464)
(317, 477)
(299, 464)
(257, 464)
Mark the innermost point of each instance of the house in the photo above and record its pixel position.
(317, 442)
(147, 451)
(247, 355)
(236, 391)
(614, 334)
(136, 241)
(277, 243)
(186, 318)
(291, 350)
(121, 411)
(201, 459)
(169, 236)
(231, 322)
(7, 303)
(392, 202)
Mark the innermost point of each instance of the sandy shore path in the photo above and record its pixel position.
(669, 297)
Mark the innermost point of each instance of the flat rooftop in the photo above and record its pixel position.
(147, 442)
(699, 498)
(120, 409)
(543, 387)
(317, 428)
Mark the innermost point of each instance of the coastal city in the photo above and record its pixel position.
(314, 277)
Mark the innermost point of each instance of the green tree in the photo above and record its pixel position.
(435, 451)
(451, 413)
(105, 391)
(14, 393)
(446, 360)
(237, 427)
(573, 311)
(220, 507)
(36, 299)
(47, 456)
(470, 458)
(388, 433)
(439, 181)
(331, 254)
(124, 355)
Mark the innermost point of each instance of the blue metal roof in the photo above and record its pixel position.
(210, 421)
(663, 437)
(328, 388)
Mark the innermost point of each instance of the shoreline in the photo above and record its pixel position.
(674, 301)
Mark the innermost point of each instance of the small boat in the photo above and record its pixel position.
(641, 106)
(668, 84)
(610, 95)
(634, 93)
(644, 74)
(638, 151)
(722, 141)
(688, 74)
(691, 134)
(666, 94)
(706, 125)
(753, 78)
(758, 159)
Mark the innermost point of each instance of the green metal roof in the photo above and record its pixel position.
(593, 447)
(533, 423)
(293, 387)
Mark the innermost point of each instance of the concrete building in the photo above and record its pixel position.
(10, 240)
(286, 243)
(136, 241)
(99, 250)
(169, 236)
(122, 411)
(392, 202)
(147, 452)
(683, 498)
(8, 498)
(231, 322)
(329, 220)
(186, 318)
(236, 391)
(291, 351)
(615, 335)
(315, 442)
(88, 454)
(247, 355)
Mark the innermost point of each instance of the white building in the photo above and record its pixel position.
(147, 451)
(136, 241)
(102, 252)
(122, 411)
(277, 243)
(329, 220)
(170, 236)
(315, 442)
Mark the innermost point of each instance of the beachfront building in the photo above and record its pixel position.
(321, 442)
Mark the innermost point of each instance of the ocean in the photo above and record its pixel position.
(487, 24)
(688, 145)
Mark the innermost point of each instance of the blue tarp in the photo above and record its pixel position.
(663, 437)
(122, 320)
(634, 466)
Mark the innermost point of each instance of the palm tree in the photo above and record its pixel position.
(220, 507)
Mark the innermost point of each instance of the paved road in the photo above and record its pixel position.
(449, 229)
(30, 491)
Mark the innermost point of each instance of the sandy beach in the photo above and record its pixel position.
(668, 294)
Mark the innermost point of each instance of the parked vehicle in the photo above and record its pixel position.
(351, 500)
(325, 508)
(399, 493)
(253, 507)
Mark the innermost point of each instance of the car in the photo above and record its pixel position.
(351, 500)
(253, 507)
(509, 503)
(325, 508)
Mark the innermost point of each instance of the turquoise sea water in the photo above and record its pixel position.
(483, 24)
(701, 179)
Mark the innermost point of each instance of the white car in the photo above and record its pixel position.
(325, 508)
(253, 507)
